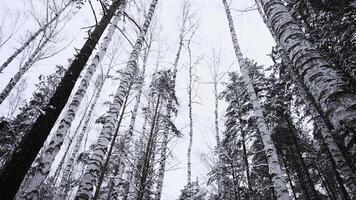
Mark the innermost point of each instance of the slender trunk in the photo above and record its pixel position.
(217, 138)
(134, 172)
(96, 161)
(273, 163)
(34, 36)
(247, 166)
(148, 151)
(300, 175)
(113, 140)
(234, 178)
(305, 172)
(162, 163)
(338, 177)
(288, 174)
(189, 162)
(325, 183)
(14, 80)
(328, 86)
(16, 169)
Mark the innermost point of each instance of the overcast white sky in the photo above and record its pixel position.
(213, 33)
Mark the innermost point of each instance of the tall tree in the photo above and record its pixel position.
(87, 183)
(320, 120)
(329, 87)
(273, 163)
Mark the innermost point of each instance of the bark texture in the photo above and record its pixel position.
(348, 176)
(328, 86)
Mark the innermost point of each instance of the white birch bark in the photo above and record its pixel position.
(63, 184)
(189, 156)
(54, 146)
(270, 150)
(331, 90)
(126, 140)
(27, 65)
(347, 173)
(96, 160)
(34, 36)
(162, 162)
(134, 172)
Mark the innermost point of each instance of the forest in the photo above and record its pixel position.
(178, 100)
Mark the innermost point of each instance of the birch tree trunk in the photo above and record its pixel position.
(126, 140)
(63, 184)
(189, 157)
(111, 148)
(137, 155)
(348, 176)
(35, 35)
(54, 146)
(163, 159)
(271, 153)
(148, 154)
(16, 169)
(32, 58)
(328, 86)
(95, 163)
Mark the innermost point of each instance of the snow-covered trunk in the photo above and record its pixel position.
(149, 150)
(33, 140)
(288, 174)
(30, 61)
(97, 158)
(246, 164)
(127, 138)
(54, 146)
(35, 35)
(162, 162)
(134, 171)
(220, 165)
(63, 184)
(190, 144)
(328, 86)
(348, 175)
(104, 168)
(270, 150)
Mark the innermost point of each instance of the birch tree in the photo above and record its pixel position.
(96, 160)
(274, 166)
(328, 86)
(321, 122)
(182, 35)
